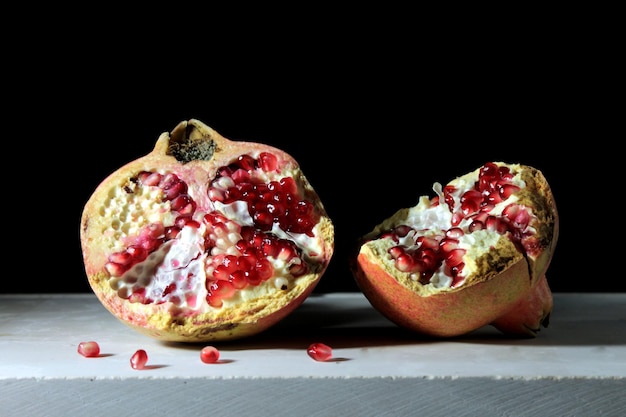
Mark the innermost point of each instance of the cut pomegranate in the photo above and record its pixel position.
(89, 349)
(475, 252)
(209, 354)
(320, 352)
(139, 359)
(205, 238)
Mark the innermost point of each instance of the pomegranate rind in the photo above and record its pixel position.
(443, 314)
(528, 315)
(502, 275)
(194, 152)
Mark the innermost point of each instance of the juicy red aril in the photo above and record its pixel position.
(89, 349)
(251, 267)
(471, 201)
(139, 359)
(268, 162)
(402, 230)
(427, 242)
(218, 290)
(427, 255)
(492, 187)
(455, 257)
(320, 352)
(507, 190)
(404, 261)
(274, 202)
(270, 202)
(448, 198)
(454, 232)
(209, 354)
(155, 234)
(245, 162)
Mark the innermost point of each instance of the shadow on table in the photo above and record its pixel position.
(362, 327)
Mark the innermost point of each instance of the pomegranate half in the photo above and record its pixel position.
(474, 254)
(205, 238)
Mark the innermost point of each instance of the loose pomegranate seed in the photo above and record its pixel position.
(209, 354)
(89, 349)
(320, 352)
(139, 359)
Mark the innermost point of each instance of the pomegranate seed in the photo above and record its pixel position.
(455, 257)
(121, 258)
(139, 359)
(171, 232)
(242, 256)
(298, 269)
(241, 175)
(320, 352)
(115, 270)
(238, 279)
(246, 162)
(402, 230)
(89, 349)
(455, 233)
(288, 185)
(396, 251)
(149, 178)
(405, 263)
(426, 242)
(508, 189)
(470, 201)
(137, 252)
(183, 204)
(263, 269)
(448, 197)
(448, 244)
(494, 198)
(209, 354)
(268, 162)
(174, 189)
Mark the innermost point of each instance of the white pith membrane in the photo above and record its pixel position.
(183, 260)
(433, 218)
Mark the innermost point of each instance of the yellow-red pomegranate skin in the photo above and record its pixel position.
(444, 314)
(509, 291)
(532, 312)
(194, 152)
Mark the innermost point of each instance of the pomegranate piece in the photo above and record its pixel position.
(205, 238)
(209, 354)
(474, 254)
(139, 359)
(320, 352)
(89, 349)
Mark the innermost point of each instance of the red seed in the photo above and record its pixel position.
(320, 352)
(268, 162)
(89, 349)
(209, 354)
(139, 359)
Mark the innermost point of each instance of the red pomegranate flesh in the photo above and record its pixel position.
(205, 238)
(474, 254)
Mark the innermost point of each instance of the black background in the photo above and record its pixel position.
(373, 117)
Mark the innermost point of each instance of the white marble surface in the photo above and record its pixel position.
(577, 364)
